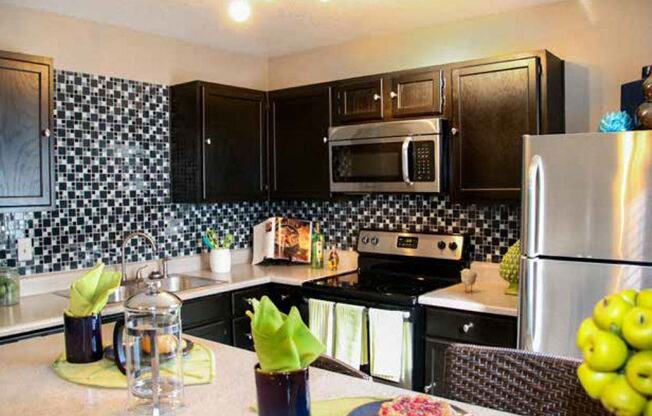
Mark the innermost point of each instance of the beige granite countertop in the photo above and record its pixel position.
(488, 294)
(45, 310)
(30, 386)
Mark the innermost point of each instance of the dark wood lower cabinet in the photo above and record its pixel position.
(242, 337)
(218, 332)
(447, 326)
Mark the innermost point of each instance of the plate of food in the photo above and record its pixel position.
(419, 405)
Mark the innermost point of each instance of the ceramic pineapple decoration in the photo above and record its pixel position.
(509, 268)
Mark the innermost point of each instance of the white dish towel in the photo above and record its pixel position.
(386, 338)
(321, 316)
(351, 334)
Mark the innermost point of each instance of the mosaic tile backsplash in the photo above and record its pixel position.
(113, 177)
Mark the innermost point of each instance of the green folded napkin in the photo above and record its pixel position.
(282, 342)
(89, 293)
(198, 368)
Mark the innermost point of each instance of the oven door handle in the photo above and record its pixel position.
(405, 167)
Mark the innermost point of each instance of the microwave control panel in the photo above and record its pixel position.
(424, 161)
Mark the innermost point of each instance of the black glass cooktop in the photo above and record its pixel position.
(383, 287)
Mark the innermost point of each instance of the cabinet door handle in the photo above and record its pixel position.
(47, 133)
(285, 297)
(393, 94)
(325, 139)
(454, 131)
(430, 387)
(249, 336)
(208, 141)
(467, 327)
(376, 97)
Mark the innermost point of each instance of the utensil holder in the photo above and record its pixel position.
(220, 260)
(83, 338)
(282, 393)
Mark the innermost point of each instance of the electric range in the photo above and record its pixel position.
(394, 269)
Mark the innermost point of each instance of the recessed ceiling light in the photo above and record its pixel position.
(239, 10)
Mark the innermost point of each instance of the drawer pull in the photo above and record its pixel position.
(430, 387)
(249, 337)
(250, 301)
(467, 327)
(285, 297)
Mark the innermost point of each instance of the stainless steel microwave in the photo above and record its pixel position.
(394, 156)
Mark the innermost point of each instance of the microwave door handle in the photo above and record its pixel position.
(405, 167)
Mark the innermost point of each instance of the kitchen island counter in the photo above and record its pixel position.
(30, 386)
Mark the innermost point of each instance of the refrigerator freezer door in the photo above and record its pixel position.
(588, 196)
(556, 295)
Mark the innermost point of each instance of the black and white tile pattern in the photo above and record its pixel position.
(113, 177)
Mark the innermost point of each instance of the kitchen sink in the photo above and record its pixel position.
(173, 283)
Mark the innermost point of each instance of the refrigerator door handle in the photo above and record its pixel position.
(534, 205)
(527, 306)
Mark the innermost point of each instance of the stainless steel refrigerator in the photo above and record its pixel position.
(586, 230)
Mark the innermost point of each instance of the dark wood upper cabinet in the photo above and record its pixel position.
(299, 119)
(358, 100)
(494, 103)
(26, 141)
(218, 143)
(417, 94)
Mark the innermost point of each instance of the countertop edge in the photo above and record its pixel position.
(461, 305)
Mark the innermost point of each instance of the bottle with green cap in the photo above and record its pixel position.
(317, 248)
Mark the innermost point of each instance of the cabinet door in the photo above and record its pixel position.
(242, 337)
(493, 106)
(435, 350)
(234, 145)
(417, 94)
(26, 144)
(299, 122)
(218, 332)
(359, 100)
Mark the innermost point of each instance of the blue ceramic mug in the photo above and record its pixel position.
(283, 393)
(83, 337)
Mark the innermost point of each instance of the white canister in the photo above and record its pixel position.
(220, 260)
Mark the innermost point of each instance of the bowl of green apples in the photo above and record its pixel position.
(616, 345)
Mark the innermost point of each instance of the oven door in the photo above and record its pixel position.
(392, 164)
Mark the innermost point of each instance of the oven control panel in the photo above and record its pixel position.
(436, 246)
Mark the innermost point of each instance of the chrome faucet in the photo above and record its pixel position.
(152, 243)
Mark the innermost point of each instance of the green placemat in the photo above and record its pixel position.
(198, 368)
(336, 407)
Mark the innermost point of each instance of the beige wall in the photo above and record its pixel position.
(85, 46)
(604, 42)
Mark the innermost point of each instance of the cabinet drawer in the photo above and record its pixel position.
(240, 299)
(242, 333)
(471, 327)
(214, 308)
(218, 332)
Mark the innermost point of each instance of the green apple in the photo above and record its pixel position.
(587, 327)
(648, 409)
(637, 328)
(638, 372)
(644, 298)
(629, 296)
(605, 351)
(594, 382)
(621, 399)
(608, 313)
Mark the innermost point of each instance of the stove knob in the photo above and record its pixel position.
(453, 246)
(374, 241)
(441, 245)
(365, 240)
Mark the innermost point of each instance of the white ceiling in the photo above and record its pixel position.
(276, 27)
